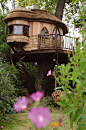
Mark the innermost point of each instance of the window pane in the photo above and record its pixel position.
(42, 32)
(11, 29)
(25, 30)
(54, 31)
(7, 29)
(46, 32)
(58, 37)
(57, 31)
(17, 29)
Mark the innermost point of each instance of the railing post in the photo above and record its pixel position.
(56, 41)
(38, 41)
(52, 40)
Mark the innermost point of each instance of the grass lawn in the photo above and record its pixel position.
(19, 121)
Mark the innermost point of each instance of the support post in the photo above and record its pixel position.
(38, 41)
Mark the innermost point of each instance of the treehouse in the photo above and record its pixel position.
(37, 36)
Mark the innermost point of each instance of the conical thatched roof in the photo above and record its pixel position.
(35, 15)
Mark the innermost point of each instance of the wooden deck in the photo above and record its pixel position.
(47, 48)
(52, 42)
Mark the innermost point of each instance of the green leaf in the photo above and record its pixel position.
(77, 114)
(36, 104)
(59, 87)
(74, 75)
(71, 119)
(61, 104)
(67, 111)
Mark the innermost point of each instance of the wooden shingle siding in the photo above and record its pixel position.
(18, 38)
(33, 43)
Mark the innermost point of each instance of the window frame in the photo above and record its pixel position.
(6, 29)
(44, 32)
(8, 33)
(56, 33)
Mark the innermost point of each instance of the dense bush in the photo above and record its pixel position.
(47, 101)
(6, 96)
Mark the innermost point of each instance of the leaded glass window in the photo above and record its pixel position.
(57, 33)
(44, 31)
(11, 29)
(6, 29)
(25, 30)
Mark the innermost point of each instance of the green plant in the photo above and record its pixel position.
(50, 102)
(74, 72)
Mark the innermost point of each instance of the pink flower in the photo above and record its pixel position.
(1, 127)
(40, 116)
(36, 96)
(75, 93)
(79, 29)
(21, 104)
(79, 40)
(60, 120)
(67, 24)
(75, 28)
(49, 72)
(71, 44)
(74, 34)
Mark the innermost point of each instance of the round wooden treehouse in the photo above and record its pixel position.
(36, 36)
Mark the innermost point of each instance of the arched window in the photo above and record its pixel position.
(44, 31)
(56, 33)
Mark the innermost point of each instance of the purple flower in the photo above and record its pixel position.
(79, 40)
(40, 116)
(49, 72)
(64, 94)
(60, 120)
(71, 44)
(75, 93)
(36, 96)
(21, 104)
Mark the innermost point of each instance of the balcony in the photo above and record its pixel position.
(56, 42)
(42, 43)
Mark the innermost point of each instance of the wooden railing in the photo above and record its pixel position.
(56, 41)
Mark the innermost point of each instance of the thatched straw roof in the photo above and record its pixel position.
(35, 15)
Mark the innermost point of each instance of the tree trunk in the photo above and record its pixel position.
(42, 75)
(25, 75)
(59, 9)
(41, 78)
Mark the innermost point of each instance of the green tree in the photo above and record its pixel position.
(56, 6)
(3, 6)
